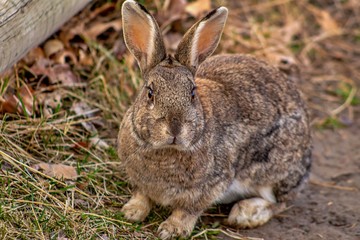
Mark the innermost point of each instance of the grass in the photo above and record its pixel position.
(36, 206)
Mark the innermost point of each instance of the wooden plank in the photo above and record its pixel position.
(24, 24)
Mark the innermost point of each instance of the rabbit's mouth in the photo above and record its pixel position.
(175, 142)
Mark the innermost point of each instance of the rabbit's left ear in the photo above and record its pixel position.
(201, 40)
(142, 35)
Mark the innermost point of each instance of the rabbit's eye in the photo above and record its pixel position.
(150, 93)
(193, 93)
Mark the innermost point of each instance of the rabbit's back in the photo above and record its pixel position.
(259, 110)
(247, 90)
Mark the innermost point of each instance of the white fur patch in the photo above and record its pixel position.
(236, 191)
(267, 193)
(194, 46)
(151, 46)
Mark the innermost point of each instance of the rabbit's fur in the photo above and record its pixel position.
(228, 129)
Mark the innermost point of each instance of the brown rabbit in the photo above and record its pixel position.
(224, 129)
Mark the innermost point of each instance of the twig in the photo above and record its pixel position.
(331, 185)
(103, 217)
(347, 103)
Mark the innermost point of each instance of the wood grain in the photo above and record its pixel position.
(24, 24)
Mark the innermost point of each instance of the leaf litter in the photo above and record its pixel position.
(59, 171)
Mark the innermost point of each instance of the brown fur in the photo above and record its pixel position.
(246, 122)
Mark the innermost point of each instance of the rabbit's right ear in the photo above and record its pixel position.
(201, 40)
(142, 35)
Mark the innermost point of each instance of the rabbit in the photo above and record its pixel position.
(209, 130)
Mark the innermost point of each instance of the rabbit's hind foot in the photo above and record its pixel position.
(250, 213)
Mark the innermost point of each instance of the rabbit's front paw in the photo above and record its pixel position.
(179, 224)
(137, 209)
(250, 213)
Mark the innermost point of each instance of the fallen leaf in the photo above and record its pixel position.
(61, 235)
(325, 20)
(63, 56)
(22, 101)
(63, 74)
(100, 27)
(81, 108)
(85, 59)
(198, 8)
(171, 41)
(101, 10)
(172, 10)
(53, 46)
(79, 145)
(292, 28)
(34, 55)
(79, 25)
(96, 141)
(57, 73)
(50, 101)
(59, 171)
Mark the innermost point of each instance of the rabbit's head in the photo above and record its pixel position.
(168, 111)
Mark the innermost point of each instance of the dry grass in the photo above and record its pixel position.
(317, 39)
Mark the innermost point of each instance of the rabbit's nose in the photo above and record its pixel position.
(175, 126)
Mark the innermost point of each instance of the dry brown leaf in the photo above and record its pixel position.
(173, 10)
(57, 73)
(66, 35)
(198, 8)
(53, 46)
(100, 10)
(80, 25)
(64, 75)
(100, 27)
(10, 104)
(85, 59)
(59, 171)
(34, 55)
(62, 236)
(96, 141)
(327, 23)
(50, 101)
(291, 29)
(82, 108)
(21, 102)
(62, 57)
(171, 41)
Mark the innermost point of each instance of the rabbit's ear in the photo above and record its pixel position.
(142, 35)
(201, 40)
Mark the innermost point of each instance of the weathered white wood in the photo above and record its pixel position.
(24, 24)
